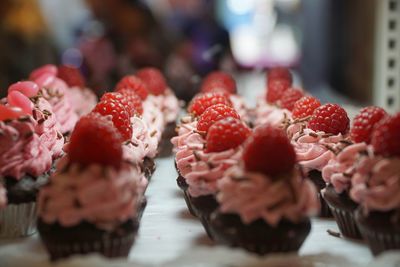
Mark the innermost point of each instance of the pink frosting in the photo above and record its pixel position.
(170, 106)
(21, 150)
(99, 195)
(269, 114)
(341, 168)
(3, 197)
(255, 196)
(54, 91)
(376, 183)
(313, 149)
(154, 120)
(48, 127)
(240, 106)
(187, 137)
(83, 100)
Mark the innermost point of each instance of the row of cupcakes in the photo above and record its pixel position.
(242, 184)
(32, 141)
(334, 156)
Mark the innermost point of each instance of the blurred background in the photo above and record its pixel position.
(347, 49)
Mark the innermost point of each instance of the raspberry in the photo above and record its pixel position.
(118, 97)
(218, 81)
(268, 150)
(276, 88)
(95, 141)
(364, 122)
(10, 113)
(202, 101)
(153, 79)
(279, 73)
(330, 118)
(71, 75)
(305, 107)
(120, 116)
(214, 114)
(226, 134)
(386, 136)
(289, 98)
(133, 99)
(135, 84)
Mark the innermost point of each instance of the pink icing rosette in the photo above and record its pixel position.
(270, 114)
(21, 150)
(256, 196)
(83, 100)
(240, 106)
(313, 149)
(188, 137)
(376, 183)
(100, 195)
(339, 170)
(170, 106)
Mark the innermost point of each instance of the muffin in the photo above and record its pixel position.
(317, 139)
(25, 163)
(264, 206)
(102, 195)
(339, 171)
(376, 187)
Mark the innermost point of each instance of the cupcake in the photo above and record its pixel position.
(219, 81)
(264, 206)
(25, 163)
(54, 90)
(376, 187)
(165, 100)
(317, 139)
(81, 97)
(339, 171)
(101, 195)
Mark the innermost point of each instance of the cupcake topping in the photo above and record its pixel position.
(218, 81)
(386, 137)
(153, 79)
(71, 75)
(364, 123)
(305, 106)
(330, 118)
(213, 114)
(133, 83)
(202, 101)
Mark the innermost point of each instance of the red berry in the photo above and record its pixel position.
(289, 98)
(305, 107)
(202, 101)
(226, 134)
(10, 113)
(275, 90)
(330, 118)
(133, 99)
(386, 136)
(120, 116)
(153, 79)
(214, 114)
(279, 73)
(95, 141)
(115, 96)
(364, 122)
(218, 81)
(71, 75)
(133, 83)
(268, 150)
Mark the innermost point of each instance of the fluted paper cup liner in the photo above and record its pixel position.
(18, 220)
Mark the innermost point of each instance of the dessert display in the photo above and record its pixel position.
(376, 185)
(339, 171)
(265, 202)
(93, 199)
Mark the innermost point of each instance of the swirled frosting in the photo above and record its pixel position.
(48, 127)
(54, 90)
(187, 136)
(376, 183)
(255, 196)
(154, 120)
(341, 168)
(269, 114)
(313, 149)
(240, 106)
(83, 100)
(170, 106)
(100, 195)
(21, 150)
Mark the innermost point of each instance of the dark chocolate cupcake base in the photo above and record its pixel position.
(342, 208)
(62, 242)
(316, 177)
(258, 237)
(381, 230)
(149, 166)
(165, 146)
